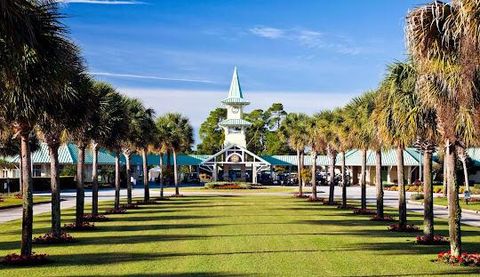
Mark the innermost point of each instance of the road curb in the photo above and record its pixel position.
(444, 207)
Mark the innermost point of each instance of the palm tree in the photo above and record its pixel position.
(292, 131)
(141, 135)
(33, 74)
(162, 143)
(358, 116)
(181, 138)
(119, 131)
(443, 41)
(317, 144)
(342, 129)
(326, 123)
(397, 122)
(100, 128)
(60, 116)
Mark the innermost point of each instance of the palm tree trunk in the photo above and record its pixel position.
(445, 175)
(117, 181)
(146, 195)
(126, 154)
(94, 179)
(161, 175)
(454, 210)
(80, 186)
(331, 169)
(175, 173)
(402, 203)
(299, 174)
(55, 187)
(344, 182)
(428, 228)
(314, 175)
(27, 188)
(169, 169)
(379, 183)
(363, 179)
(463, 158)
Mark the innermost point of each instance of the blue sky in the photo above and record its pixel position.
(179, 55)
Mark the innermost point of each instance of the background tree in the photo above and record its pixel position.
(211, 133)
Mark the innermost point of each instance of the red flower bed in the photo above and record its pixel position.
(360, 211)
(34, 259)
(18, 196)
(115, 211)
(385, 218)
(129, 206)
(2, 200)
(95, 218)
(50, 238)
(435, 240)
(409, 228)
(83, 227)
(465, 259)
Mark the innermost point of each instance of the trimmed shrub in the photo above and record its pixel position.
(229, 185)
(417, 196)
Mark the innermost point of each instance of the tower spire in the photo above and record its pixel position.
(235, 89)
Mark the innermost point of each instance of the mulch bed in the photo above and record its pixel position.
(95, 218)
(409, 228)
(435, 240)
(129, 206)
(115, 211)
(19, 260)
(385, 218)
(85, 226)
(50, 238)
(360, 211)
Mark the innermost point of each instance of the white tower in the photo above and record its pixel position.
(234, 126)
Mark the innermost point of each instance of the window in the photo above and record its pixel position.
(37, 170)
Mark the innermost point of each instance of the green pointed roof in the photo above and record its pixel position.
(235, 95)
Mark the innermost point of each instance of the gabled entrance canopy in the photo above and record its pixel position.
(235, 159)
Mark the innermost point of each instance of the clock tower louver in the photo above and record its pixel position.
(234, 126)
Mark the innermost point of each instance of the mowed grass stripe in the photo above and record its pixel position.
(237, 235)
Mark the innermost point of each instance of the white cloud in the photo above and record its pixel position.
(309, 38)
(197, 104)
(150, 77)
(101, 2)
(267, 32)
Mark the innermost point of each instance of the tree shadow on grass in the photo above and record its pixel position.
(186, 274)
(458, 271)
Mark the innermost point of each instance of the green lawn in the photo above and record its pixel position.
(237, 235)
(10, 201)
(444, 202)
